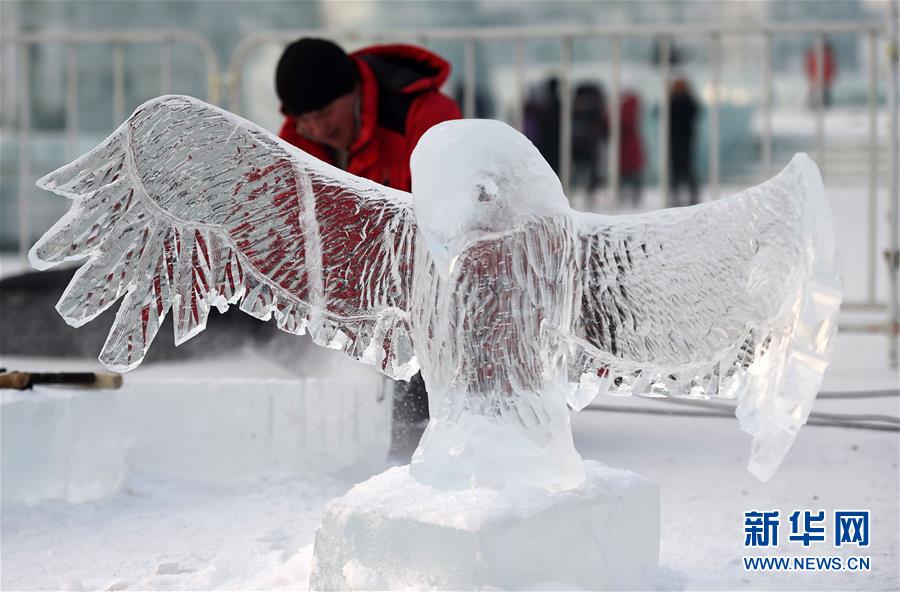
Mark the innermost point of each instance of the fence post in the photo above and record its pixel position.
(873, 168)
(521, 92)
(24, 150)
(72, 122)
(165, 67)
(469, 79)
(894, 253)
(715, 49)
(819, 98)
(565, 114)
(767, 106)
(615, 120)
(664, 118)
(118, 56)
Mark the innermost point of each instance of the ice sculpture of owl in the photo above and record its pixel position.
(514, 306)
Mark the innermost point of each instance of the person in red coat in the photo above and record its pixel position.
(826, 77)
(365, 111)
(631, 151)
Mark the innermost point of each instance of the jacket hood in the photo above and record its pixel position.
(405, 68)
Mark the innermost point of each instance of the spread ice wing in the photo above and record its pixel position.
(188, 206)
(735, 298)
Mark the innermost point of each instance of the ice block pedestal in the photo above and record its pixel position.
(392, 532)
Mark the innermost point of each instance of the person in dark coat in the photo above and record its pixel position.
(365, 112)
(547, 140)
(589, 132)
(683, 111)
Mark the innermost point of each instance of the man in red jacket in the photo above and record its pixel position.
(363, 112)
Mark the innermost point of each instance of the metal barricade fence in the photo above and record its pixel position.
(72, 41)
(520, 37)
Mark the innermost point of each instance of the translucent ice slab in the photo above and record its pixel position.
(393, 533)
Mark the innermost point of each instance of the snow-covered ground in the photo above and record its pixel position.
(839, 123)
(705, 488)
(199, 475)
(255, 531)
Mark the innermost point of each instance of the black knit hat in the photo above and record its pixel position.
(311, 73)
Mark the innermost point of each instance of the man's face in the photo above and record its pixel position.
(335, 125)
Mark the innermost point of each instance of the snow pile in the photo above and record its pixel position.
(253, 533)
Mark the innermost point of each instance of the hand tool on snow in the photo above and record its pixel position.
(26, 380)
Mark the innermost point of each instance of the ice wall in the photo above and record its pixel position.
(81, 445)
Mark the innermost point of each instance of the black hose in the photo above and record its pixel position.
(860, 421)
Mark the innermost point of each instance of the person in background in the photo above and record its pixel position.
(364, 113)
(631, 150)
(683, 111)
(589, 133)
(829, 71)
(547, 129)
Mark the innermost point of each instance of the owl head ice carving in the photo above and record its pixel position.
(476, 177)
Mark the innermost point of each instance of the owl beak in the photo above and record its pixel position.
(444, 257)
(446, 263)
(440, 253)
(452, 264)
